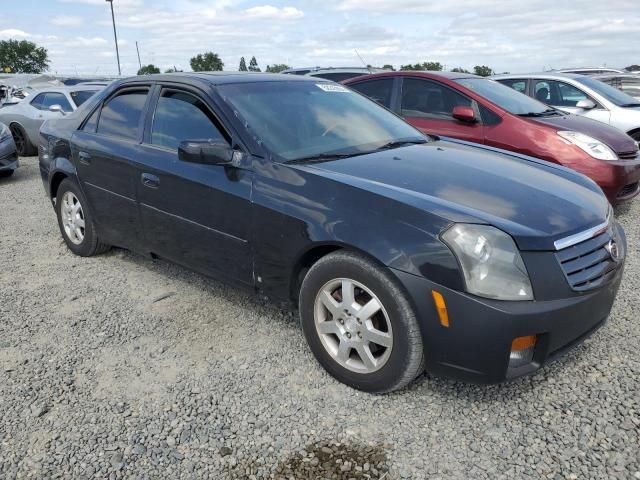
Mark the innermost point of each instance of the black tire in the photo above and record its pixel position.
(23, 144)
(406, 359)
(6, 173)
(90, 243)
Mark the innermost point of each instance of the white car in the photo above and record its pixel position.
(589, 70)
(25, 118)
(580, 95)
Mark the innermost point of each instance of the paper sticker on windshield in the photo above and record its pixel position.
(330, 87)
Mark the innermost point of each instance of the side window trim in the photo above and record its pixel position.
(145, 86)
(152, 108)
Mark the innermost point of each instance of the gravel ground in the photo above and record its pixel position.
(122, 367)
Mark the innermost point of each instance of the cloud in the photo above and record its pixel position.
(13, 33)
(269, 11)
(66, 21)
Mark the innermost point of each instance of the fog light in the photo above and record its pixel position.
(522, 349)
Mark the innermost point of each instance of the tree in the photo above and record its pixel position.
(206, 62)
(277, 68)
(431, 66)
(243, 65)
(632, 68)
(388, 67)
(482, 70)
(253, 65)
(148, 69)
(460, 70)
(23, 57)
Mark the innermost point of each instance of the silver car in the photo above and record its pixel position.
(24, 118)
(628, 83)
(589, 70)
(335, 74)
(581, 95)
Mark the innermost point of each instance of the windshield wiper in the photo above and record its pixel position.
(547, 113)
(625, 105)
(400, 143)
(323, 157)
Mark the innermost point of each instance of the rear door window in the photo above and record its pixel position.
(517, 84)
(120, 116)
(427, 99)
(81, 96)
(377, 90)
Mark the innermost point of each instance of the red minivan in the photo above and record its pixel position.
(480, 110)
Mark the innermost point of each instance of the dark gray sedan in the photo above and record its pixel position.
(8, 154)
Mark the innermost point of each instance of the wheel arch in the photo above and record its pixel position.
(633, 132)
(312, 254)
(61, 168)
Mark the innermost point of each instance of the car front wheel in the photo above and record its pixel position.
(75, 222)
(359, 323)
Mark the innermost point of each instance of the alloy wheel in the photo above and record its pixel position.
(19, 139)
(73, 220)
(353, 326)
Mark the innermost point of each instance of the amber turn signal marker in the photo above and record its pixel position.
(522, 343)
(441, 307)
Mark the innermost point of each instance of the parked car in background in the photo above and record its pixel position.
(337, 74)
(589, 70)
(8, 154)
(401, 251)
(25, 118)
(483, 111)
(581, 95)
(628, 83)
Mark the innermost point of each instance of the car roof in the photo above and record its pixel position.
(543, 75)
(221, 78)
(73, 88)
(417, 73)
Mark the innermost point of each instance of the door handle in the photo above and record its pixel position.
(149, 180)
(84, 157)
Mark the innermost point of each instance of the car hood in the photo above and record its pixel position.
(534, 201)
(617, 140)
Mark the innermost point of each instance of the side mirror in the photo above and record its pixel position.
(56, 109)
(205, 151)
(464, 114)
(586, 104)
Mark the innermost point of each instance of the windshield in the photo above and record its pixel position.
(297, 120)
(81, 96)
(505, 97)
(612, 94)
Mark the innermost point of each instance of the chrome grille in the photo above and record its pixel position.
(588, 264)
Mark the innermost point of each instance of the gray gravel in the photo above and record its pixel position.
(122, 367)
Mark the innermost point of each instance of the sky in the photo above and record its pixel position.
(508, 36)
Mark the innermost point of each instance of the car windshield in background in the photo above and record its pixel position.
(302, 120)
(505, 97)
(612, 94)
(81, 96)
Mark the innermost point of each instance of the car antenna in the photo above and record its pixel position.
(363, 62)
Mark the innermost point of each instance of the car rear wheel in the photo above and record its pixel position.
(359, 323)
(23, 145)
(75, 222)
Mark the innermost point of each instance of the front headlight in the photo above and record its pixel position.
(490, 261)
(4, 132)
(592, 146)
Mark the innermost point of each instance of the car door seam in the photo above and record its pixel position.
(228, 235)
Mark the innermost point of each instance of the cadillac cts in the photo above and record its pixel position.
(403, 252)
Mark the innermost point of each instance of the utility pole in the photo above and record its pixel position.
(138, 50)
(115, 35)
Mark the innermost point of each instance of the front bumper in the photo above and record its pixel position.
(621, 181)
(8, 155)
(477, 344)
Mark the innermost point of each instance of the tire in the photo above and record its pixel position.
(6, 173)
(23, 144)
(392, 363)
(75, 222)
